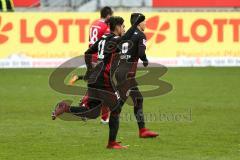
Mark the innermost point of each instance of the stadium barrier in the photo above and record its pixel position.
(196, 3)
(26, 3)
(174, 39)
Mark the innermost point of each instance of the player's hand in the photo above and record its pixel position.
(145, 63)
(140, 19)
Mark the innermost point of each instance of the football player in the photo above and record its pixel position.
(100, 85)
(97, 30)
(132, 51)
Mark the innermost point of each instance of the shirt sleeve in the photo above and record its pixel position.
(142, 47)
(128, 34)
(88, 54)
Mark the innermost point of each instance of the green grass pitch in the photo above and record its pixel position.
(213, 132)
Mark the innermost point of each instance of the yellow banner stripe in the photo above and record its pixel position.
(169, 35)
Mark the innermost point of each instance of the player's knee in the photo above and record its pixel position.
(116, 112)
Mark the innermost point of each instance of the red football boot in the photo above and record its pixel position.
(146, 133)
(115, 145)
(60, 109)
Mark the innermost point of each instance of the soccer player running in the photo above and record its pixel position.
(132, 50)
(100, 80)
(97, 30)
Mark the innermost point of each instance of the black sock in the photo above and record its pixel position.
(138, 112)
(114, 121)
(138, 106)
(113, 127)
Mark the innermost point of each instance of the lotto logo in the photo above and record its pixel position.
(154, 29)
(4, 28)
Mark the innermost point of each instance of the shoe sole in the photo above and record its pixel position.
(117, 148)
(148, 136)
(53, 113)
(53, 116)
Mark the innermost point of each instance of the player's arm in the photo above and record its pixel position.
(88, 59)
(88, 54)
(142, 49)
(133, 28)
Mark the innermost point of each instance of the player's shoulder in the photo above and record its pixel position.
(99, 23)
(105, 36)
(102, 22)
(142, 35)
(113, 37)
(139, 34)
(109, 36)
(116, 37)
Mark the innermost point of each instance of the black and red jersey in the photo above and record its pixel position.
(135, 49)
(109, 48)
(138, 47)
(97, 30)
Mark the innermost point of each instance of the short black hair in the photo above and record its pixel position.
(115, 21)
(105, 11)
(134, 17)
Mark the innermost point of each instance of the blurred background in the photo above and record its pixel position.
(179, 32)
(127, 5)
(199, 42)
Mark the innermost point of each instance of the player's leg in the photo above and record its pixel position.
(88, 108)
(76, 77)
(105, 115)
(82, 111)
(114, 126)
(104, 110)
(137, 99)
(91, 105)
(138, 112)
(109, 98)
(61, 108)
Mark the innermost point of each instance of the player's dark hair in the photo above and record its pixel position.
(115, 21)
(105, 11)
(134, 17)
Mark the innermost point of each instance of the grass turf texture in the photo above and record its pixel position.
(27, 131)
